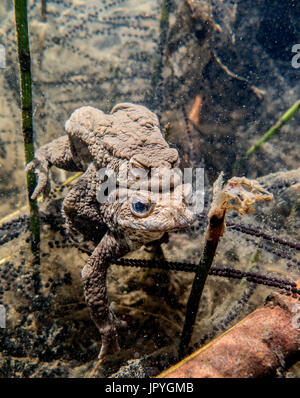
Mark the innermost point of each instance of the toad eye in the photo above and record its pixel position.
(137, 170)
(149, 125)
(140, 207)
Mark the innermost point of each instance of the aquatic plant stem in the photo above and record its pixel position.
(252, 264)
(26, 110)
(214, 231)
(43, 10)
(158, 58)
(238, 194)
(274, 129)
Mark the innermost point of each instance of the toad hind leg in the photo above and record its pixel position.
(94, 276)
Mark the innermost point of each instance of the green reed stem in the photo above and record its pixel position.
(274, 129)
(26, 108)
(158, 58)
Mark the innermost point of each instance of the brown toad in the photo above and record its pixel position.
(128, 141)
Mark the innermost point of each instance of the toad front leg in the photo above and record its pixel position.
(57, 153)
(94, 276)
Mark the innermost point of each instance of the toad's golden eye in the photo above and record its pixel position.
(140, 206)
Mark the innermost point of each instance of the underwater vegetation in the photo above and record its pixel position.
(215, 99)
(26, 106)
